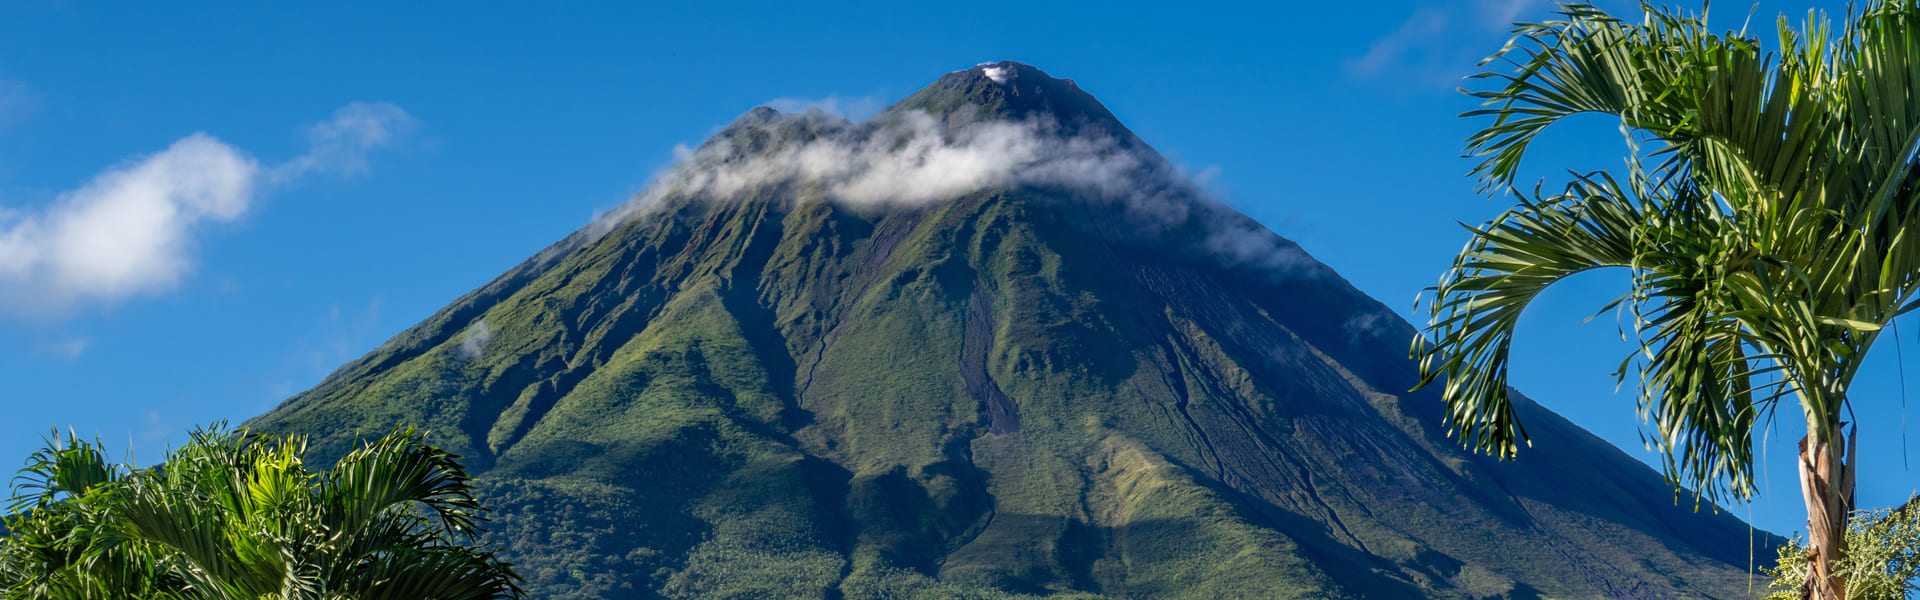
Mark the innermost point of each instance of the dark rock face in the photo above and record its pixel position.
(1013, 391)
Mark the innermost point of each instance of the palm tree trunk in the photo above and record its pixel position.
(1826, 483)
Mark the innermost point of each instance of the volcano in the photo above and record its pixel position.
(986, 344)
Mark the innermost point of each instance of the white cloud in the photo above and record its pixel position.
(475, 340)
(126, 232)
(853, 109)
(130, 231)
(916, 158)
(340, 144)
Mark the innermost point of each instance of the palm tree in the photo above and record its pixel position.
(233, 515)
(1768, 218)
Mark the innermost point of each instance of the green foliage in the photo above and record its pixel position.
(576, 540)
(1770, 225)
(235, 515)
(1882, 562)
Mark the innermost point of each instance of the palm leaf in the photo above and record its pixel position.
(1769, 224)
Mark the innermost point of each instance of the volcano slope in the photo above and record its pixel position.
(985, 345)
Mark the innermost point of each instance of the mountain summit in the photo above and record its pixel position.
(1012, 90)
(984, 345)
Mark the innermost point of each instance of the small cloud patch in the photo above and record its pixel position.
(1365, 326)
(475, 341)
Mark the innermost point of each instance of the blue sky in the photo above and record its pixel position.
(293, 184)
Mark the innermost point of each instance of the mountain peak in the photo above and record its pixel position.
(991, 91)
(954, 352)
(1013, 91)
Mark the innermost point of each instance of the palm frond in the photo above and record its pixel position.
(394, 471)
(437, 574)
(1477, 305)
(63, 468)
(1770, 225)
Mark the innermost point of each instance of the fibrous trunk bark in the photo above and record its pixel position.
(1826, 483)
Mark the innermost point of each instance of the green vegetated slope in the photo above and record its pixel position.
(1005, 394)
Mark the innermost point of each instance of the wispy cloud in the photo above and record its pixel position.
(919, 158)
(853, 109)
(1442, 40)
(340, 144)
(69, 348)
(474, 341)
(132, 229)
(1368, 326)
(1420, 32)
